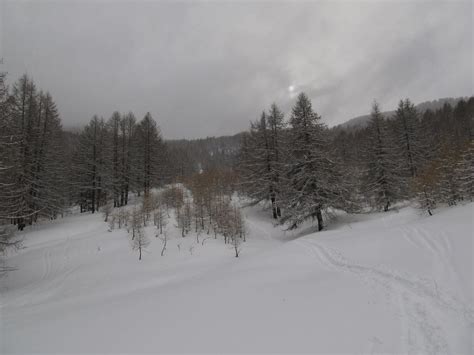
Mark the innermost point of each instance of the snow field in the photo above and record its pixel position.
(391, 282)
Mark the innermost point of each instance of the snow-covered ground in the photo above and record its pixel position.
(389, 282)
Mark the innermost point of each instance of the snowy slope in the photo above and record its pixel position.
(396, 282)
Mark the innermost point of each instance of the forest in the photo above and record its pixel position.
(306, 170)
(297, 166)
(236, 177)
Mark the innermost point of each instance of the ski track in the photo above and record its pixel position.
(422, 239)
(52, 277)
(439, 246)
(423, 306)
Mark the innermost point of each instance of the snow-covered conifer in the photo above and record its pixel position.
(311, 179)
(381, 182)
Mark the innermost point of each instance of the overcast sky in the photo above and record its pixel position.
(208, 68)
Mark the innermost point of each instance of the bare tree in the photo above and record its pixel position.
(236, 244)
(140, 242)
(164, 239)
(122, 216)
(160, 217)
(107, 210)
(112, 221)
(237, 229)
(184, 218)
(146, 208)
(135, 221)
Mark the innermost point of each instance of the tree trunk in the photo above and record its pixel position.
(164, 248)
(274, 207)
(319, 216)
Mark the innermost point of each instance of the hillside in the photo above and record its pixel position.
(392, 282)
(361, 121)
(206, 153)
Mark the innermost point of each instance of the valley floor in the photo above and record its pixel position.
(377, 283)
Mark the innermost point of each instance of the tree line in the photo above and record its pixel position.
(115, 157)
(44, 170)
(301, 167)
(304, 169)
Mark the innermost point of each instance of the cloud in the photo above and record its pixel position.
(207, 68)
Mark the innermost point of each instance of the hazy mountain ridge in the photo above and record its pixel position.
(361, 121)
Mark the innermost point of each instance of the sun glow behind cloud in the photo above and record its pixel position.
(292, 91)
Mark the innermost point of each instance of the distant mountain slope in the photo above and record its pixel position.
(205, 153)
(361, 121)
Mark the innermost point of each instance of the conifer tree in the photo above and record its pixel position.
(129, 156)
(464, 171)
(90, 166)
(114, 159)
(150, 154)
(10, 139)
(260, 162)
(31, 140)
(51, 188)
(276, 156)
(381, 183)
(311, 183)
(409, 138)
(253, 161)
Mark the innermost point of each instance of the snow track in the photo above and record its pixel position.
(428, 313)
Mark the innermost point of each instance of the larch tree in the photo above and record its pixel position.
(465, 171)
(49, 160)
(311, 176)
(8, 143)
(128, 155)
(10, 140)
(24, 111)
(90, 166)
(254, 161)
(114, 158)
(260, 161)
(276, 126)
(151, 154)
(32, 155)
(380, 182)
(140, 242)
(409, 138)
